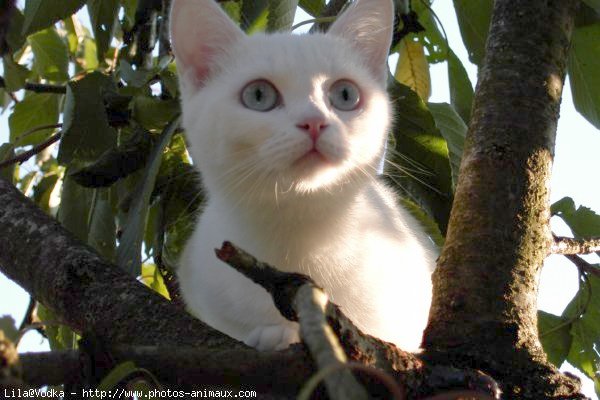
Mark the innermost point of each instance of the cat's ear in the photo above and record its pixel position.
(200, 31)
(369, 25)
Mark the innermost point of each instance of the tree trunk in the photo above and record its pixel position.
(484, 311)
(485, 288)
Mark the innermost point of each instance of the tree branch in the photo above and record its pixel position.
(21, 158)
(299, 299)
(566, 245)
(40, 87)
(332, 9)
(89, 294)
(583, 265)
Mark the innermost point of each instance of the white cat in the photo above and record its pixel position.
(288, 132)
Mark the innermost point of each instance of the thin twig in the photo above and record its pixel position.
(39, 87)
(404, 368)
(21, 158)
(300, 299)
(36, 129)
(313, 21)
(566, 245)
(332, 9)
(583, 265)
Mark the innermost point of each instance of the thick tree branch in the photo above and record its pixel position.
(566, 245)
(89, 294)
(484, 311)
(299, 299)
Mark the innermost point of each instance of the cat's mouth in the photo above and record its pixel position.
(311, 158)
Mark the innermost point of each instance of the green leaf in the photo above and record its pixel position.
(129, 251)
(60, 337)
(170, 82)
(412, 69)
(5, 100)
(583, 221)
(153, 112)
(72, 39)
(117, 163)
(43, 192)
(134, 77)
(586, 15)
(584, 353)
(86, 132)
(26, 182)
(74, 210)
(420, 154)
(90, 56)
(103, 15)
(254, 15)
(313, 7)
(51, 55)
(7, 151)
(281, 15)
(14, 36)
(40, 14)
(555, 336)
(116, 376)
(102, 228)
(432, 39)
(583, 67)
(181, 195)
(36, 109)
(595, 4)
(129, 7)
(474, 21)
(429, 225)
(7, 325)
(564, 205)
(233, 9)
(461, 89)
(454, 130)
(14, 74)
(152, 278)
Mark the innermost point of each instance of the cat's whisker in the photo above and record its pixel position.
(402, 168)
(338, 223)
(417, 166)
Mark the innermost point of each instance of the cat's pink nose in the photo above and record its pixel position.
(313, 126)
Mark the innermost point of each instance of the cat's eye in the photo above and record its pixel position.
(260, 95)
(344, 95)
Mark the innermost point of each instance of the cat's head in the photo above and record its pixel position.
(283, 113)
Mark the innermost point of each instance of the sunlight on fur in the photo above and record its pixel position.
(288, 132)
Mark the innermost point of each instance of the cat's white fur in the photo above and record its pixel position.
(329, 219)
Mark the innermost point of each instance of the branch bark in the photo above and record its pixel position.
(484, 311)
(583, 265)
(40, 87)
(91, 295)
(566, 245)
(21, 158)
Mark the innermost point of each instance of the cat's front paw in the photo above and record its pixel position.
(273, 337)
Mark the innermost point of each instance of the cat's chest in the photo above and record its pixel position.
(317, 248)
